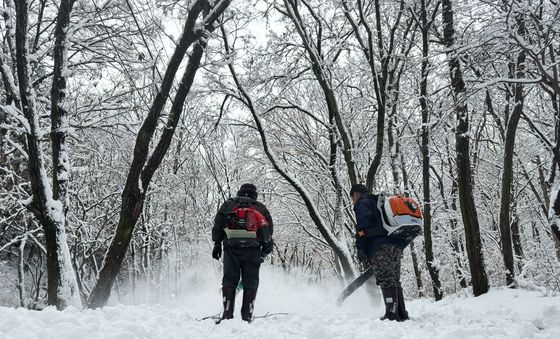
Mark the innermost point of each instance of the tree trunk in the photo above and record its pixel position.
(464, 176)
(456, 241)
(428, 247)
(554, 207)
(142, 169)
(452, 208)
(380, 83)
(417, 272)
(507, 175)
(21, 272)
(415, 262)
(557, 245)
(554, 213)
(516, 238)
(62, 287)
(59, 114)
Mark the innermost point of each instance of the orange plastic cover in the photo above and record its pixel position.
(404, 206)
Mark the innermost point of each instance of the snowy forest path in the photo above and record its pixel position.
(501, 313)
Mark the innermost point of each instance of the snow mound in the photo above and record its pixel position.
(501, 313)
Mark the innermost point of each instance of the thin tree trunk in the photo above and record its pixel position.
(516, 238)
(134, 273)
(380, 84)
(507, 175)
(456, 241)
(417, 272)
(554, 207)
(452, 208)
(9, 38)
(21, 272)
(450, 205)
(543, 184)
(427, 215)
(415, 262)
(142, 169)
(464, 175)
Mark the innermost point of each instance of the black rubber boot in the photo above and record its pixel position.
(248, 305)
(391, 300)
(229, 302)
(403, 314)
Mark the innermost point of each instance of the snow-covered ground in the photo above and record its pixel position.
(502, 313)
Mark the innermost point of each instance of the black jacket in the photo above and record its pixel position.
(218, 233)
(367, 214)
(369, 217)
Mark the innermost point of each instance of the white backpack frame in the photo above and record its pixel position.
(405, 227)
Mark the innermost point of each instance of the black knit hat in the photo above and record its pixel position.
(358, 188)
(247, 190)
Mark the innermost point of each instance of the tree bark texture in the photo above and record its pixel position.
(427, 215)
(59, 114)
(21, 272)
(464, 175)
(554, 207)
(62, 289)
(507, 174)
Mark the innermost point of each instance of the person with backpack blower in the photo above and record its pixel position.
(244, 226)
(376, 248)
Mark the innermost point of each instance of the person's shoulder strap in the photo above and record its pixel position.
(381, 206)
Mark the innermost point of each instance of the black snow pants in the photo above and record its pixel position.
(243, 262)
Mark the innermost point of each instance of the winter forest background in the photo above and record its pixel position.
(125, 124)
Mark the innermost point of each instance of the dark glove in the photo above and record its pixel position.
(267, 248)
(362, 256)
(217, 251)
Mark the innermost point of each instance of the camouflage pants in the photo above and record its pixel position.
(386, 262)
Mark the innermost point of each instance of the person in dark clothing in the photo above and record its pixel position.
(246, 242)
(375, 248)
